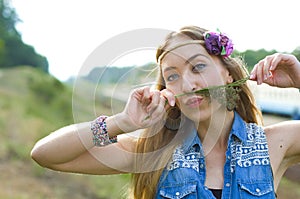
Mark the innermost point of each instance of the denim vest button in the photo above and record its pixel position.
(227, 185)
(177, 193)
(257, 190)
(201, 166)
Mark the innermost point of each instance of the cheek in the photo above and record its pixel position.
(214, 78)
(174, 88)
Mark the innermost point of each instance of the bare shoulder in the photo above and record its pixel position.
(285, 128)
(284, 138)
(282, 145)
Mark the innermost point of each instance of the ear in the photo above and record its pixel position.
(229, 78)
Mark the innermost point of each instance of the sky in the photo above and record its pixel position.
(71, 33)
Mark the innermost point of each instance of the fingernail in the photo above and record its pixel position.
(259, 82)
(252, 76)
(270, 74)
(172, 102)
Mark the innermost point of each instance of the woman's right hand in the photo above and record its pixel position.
(146, 107)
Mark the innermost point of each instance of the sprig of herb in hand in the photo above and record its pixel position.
(227, 95)
(206, 90)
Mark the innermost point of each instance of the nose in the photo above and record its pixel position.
(190, 83)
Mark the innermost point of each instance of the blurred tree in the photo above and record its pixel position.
(252, 57)
(296, 52)
(13, 51)
(8, 19)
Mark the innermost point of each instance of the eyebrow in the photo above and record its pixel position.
(169, 68)
(193, 57)
(186, 62)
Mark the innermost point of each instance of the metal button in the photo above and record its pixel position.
(177, 193)
(257, 190)
(227, 185)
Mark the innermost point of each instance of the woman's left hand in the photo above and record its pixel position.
(281, 70)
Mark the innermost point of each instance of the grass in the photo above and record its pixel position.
(33, 105)
(288, 189)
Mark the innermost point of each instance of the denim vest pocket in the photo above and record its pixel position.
(178, 191)
(256, 190)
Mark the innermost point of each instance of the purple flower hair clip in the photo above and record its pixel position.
(218, 43)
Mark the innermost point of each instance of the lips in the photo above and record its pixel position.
(194, 101)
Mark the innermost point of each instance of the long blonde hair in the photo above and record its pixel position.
(156, 138)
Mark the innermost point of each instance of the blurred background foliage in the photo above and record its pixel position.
(13, 51)
(33, 103)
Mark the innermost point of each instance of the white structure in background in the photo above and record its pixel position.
(282, 101)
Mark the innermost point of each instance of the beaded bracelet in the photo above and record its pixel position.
(100, 134)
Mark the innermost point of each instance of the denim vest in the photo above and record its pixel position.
(247, 170)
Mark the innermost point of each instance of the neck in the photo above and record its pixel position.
(214, 132)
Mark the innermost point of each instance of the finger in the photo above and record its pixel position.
(169, 96)
(253, 75)
(266, 68)
(259, 72)
(157, 112)
(146, 93)
(285, 61)
(275, 61)
(160, 110)
(155, 99)
(140, 93)
(145, 96)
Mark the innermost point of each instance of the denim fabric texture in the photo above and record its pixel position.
(247, 170)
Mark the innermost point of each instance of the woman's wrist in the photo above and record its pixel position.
(106, 129)
(100, 133)
(119, 124)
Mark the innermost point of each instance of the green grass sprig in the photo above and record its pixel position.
(206, 90)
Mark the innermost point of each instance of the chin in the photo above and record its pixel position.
(204, 114)
(197, 115)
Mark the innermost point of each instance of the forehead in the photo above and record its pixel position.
(185, 53)
(182, 47)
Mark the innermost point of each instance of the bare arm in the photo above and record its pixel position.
(284, 141)
(291, 132)
(71, 148)
(284, 149)
(281, 70)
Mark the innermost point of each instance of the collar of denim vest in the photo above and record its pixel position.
(238, 129)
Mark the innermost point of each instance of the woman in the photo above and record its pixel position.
(196, 144)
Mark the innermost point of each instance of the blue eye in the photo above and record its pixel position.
(172, 77)
(198, 67)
